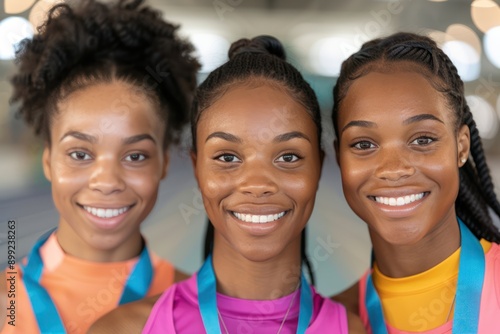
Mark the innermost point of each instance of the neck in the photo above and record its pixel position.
(398, 261)
(266, 279)
(96, 250)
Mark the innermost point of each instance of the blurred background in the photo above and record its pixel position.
(318, 36)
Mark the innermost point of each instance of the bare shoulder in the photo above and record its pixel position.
(3, 296)
(349, 298)
(355, 324)
(128, 318)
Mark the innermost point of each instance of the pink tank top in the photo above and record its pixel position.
(176, 311)
(490, 300)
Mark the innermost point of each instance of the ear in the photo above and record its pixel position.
(166, 162)
(47, 168)
(336, 149)
(463, 145)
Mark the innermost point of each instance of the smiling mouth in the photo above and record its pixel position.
(104, 212)
(258, 219)
(399, 201)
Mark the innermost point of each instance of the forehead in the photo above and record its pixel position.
(393, 95)
(107, 107)
(262, 108)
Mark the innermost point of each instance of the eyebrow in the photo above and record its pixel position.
(421, 117)
(290, 135)
(363, 124)
(93, 140)
(413, 119)
(225, 136)
(138, 138)
(79, 135)
(278, 139)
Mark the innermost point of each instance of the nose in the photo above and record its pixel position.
(106, 177)
(258, 180)
(394, 164)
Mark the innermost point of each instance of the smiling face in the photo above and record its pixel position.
(399, 155)
(258, 164)
(105, 163)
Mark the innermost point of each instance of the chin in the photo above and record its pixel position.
(259, 254)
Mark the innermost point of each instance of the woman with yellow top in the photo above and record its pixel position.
(107, 86)
(413, 168)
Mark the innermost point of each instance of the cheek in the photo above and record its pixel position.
(67, 180)
(143, 183)
(353, 173)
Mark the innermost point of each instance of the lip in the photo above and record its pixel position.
(259, 229)
(106, 223)
(399, 211)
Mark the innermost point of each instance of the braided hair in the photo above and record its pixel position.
(94, 42)
(261, 58)
(476, 192)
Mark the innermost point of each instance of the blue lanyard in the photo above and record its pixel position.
(207, 300)
(468, 293)
(47, 316)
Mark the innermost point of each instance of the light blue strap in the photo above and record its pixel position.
(468, 294)
(306, 305)
(139, 281)
(374, 308)
(207, 297)
(46, 314)
(207, 300)
(470, 283)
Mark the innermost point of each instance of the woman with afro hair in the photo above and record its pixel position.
(107, 86)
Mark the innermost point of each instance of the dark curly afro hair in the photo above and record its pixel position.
(93, 42)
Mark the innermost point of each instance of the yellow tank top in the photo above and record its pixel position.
(423, 301)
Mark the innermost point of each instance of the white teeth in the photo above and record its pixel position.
(105, 213)
(258, 219)
(398, 201)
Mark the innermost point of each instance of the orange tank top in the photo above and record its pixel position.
(81, 290)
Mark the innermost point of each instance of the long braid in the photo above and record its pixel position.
(476, 191)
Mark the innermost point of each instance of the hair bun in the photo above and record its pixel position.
(263, 44)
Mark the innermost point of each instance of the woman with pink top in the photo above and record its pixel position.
(413, 168)
(257, 158)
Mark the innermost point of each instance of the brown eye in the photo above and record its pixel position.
(228, 158)
(289, 157)
(79, 155)
(423, 141)
(363, 145)
(135, 157)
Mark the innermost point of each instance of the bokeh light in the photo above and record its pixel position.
(492, 45)
(484, 115)
(485, 14)
(13, 30)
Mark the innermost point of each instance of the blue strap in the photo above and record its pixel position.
(374, 308)
(46, 314)
(470, 283)
(207, 300)
(140, 278)
(306, 305)
(207, 297)
(468, 294)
